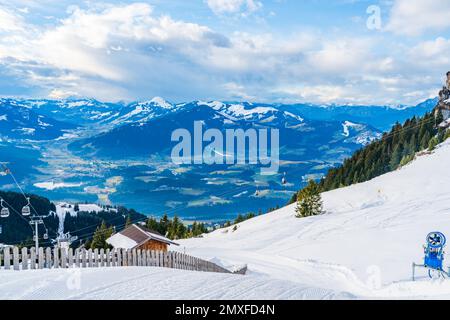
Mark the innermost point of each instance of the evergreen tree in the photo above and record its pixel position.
(395, 158)
(101, 234)
(152, 224)
(309, 201)
(128, 222)
(433, 143)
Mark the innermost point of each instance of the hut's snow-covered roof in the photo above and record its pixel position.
(134, 236)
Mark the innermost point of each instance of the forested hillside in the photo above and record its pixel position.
(17, 230)
(396, 148)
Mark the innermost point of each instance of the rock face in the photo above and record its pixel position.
(444, 102)
(448, 80)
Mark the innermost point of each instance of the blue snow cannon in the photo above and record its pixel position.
(434, 256)
(434, 250)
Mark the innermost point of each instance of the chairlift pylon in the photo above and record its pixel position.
(4, 211)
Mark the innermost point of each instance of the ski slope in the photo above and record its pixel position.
(364, 244)
(361, 248)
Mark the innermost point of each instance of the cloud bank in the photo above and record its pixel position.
(128, 52)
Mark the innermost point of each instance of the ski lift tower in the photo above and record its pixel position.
(35, 221)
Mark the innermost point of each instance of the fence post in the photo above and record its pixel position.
(71, 262)
(48, 258)
(95, 258)
(16, 258)
(119, 257)
(33, 258)
(134, 257)
(24, 258)
(152, 258)
(113, 257)
(56, 257)
(157, 259)
(41, 260)
(102, 257)
(144, 257)
(7, 257)
(83, 258)
(63, 258)
(161, 259)
(90, 258)
(77, 257)
(129, 258)
(174, 256)
(138, 257)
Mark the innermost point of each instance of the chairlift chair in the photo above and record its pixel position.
(284, 181)
(26, 209)
(5, 211)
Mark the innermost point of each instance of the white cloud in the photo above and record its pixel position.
(9, 21)
(414, 17)
(114, 52)
(233, 6)
(61, 94)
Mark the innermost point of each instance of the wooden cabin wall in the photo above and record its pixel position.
(154, 245)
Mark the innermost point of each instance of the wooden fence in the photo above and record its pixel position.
(23, 259)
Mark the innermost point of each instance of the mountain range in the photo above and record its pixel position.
(119, 152)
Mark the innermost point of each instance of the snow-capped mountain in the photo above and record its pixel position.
(79, 111)
(17, 121)
(141, 112)
(295, 132)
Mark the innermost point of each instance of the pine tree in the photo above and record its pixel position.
(433, 143)
(128, 222)
(395, 158)
(152, 224)
(309, 202)
(101, 234)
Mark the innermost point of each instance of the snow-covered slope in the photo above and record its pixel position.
(368, 238)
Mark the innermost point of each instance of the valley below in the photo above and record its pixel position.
(120, 154)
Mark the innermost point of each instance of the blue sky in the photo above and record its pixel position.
(343, 51)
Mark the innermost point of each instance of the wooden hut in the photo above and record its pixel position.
(139, 237)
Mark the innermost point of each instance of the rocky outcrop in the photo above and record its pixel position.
(444, 103)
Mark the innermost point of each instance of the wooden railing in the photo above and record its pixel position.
(46, 258)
